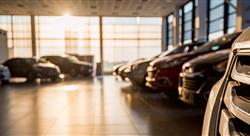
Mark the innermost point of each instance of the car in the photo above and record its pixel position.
(199, 75)
(31, 69)
(163, 74)
(115, 69)
(138, 72)
(71, 65)
(121, 75)
(228, 108)
(4, 74)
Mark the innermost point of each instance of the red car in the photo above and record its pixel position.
(163, 74)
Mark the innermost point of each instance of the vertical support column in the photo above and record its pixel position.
(176, 27)
(33, 35)
(201, 21)
(101, 43)
(243, 18)
(164, 34)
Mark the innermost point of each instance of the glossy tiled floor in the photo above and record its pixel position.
(99, 106)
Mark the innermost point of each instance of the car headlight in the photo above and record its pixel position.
(172, 63)
(190, 70)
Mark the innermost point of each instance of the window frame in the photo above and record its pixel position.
(192, 30)
(167, 31)
(225, 18)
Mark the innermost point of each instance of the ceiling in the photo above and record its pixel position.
(90, 7)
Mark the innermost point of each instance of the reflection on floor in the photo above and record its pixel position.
(99, 106)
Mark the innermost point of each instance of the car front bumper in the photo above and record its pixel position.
(194, 89)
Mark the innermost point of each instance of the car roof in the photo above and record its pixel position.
(243, 41)
(62, 56)
(22, 58)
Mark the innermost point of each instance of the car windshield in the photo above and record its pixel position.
(72, 59)
(217, 44)
(30, 61)
(42, 60)
(176, 50)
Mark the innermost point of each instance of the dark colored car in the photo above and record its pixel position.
(163, 74)
(228, 108)
(31, 69)
(71, 65)
(138, 72)
(199, 75)
(121, 70)
(115, 69)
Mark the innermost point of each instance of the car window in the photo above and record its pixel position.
(221, 43)
(30, 61)
(176, 50)
(72, 59)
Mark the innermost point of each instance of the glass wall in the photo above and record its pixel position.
(222, 17)
(188, 22)
(170, 32)
(216, 19)
(66, 34)
(129, 38)
(124, 38)
(19, 34)
(232, 7)
(180, 26)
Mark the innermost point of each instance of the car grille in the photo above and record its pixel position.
(151, 73)
(235, 114)
(192, 84)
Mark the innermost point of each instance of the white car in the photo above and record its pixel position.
(4, 74)
(228, 108)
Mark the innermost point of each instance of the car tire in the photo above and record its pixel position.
(30, 77)
(73, 73)
(54, 79)
(4, 82)
(173, 96)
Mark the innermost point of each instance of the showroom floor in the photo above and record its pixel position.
(99, 106)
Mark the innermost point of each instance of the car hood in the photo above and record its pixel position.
(169, 58)
(116, 67)
(144, 61)
(84, 63)
(45, 65)
(208, 59)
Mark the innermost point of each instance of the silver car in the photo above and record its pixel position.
(4, 74)
(228, 109)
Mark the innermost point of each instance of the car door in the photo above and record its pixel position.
(22, 68)
(14, 67)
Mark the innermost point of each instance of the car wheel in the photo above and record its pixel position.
(30, 77)
(172, 95)
(73, 73)
(55, 79)
(5, 82)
